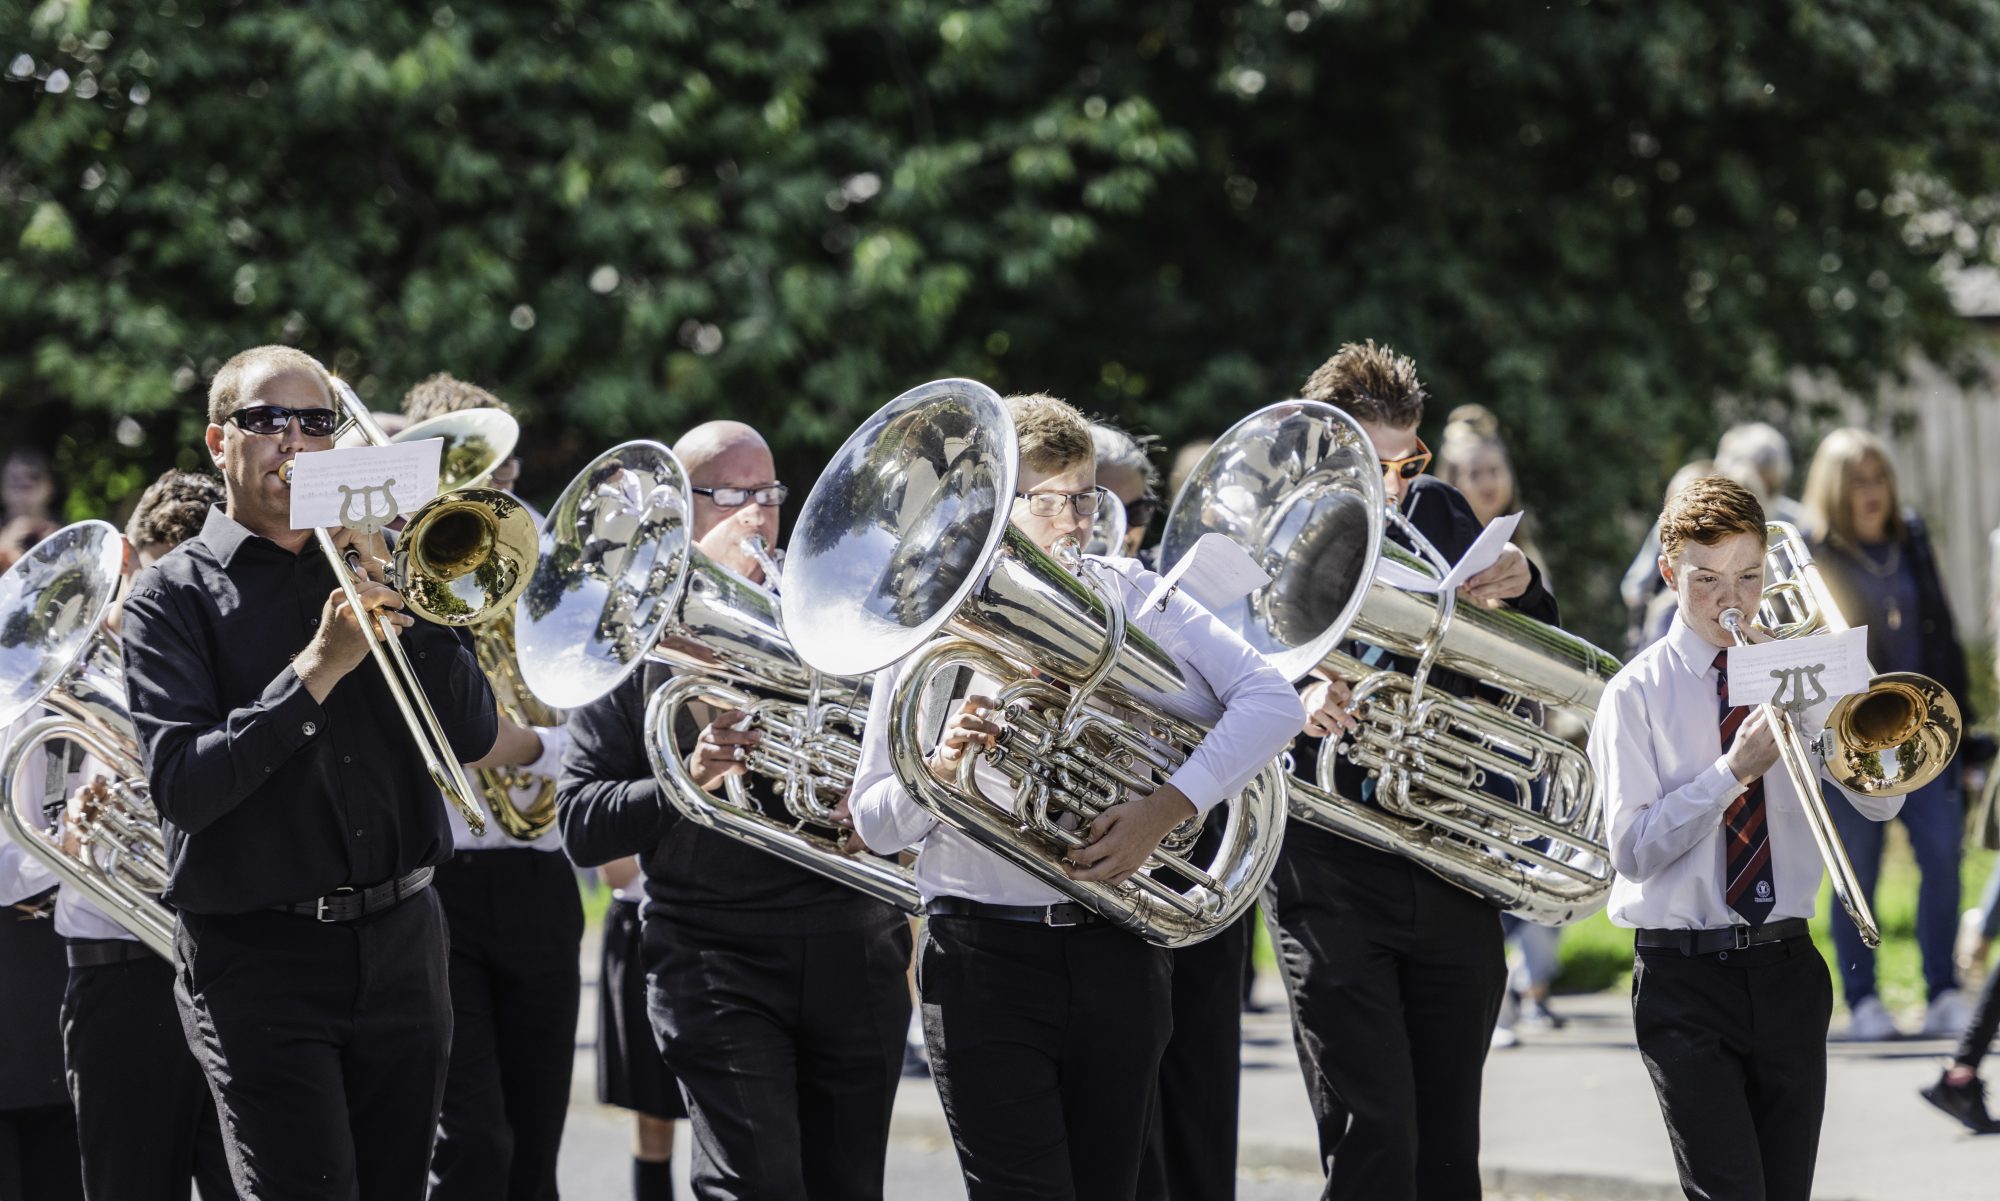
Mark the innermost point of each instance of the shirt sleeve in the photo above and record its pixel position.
(608, 802)
(886, 816)
(1261, 714)
(1649, 828)
(449, 673)
(202, 759)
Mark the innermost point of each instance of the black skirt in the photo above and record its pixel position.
(630, 1071)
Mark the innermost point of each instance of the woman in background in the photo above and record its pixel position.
(1878, 561)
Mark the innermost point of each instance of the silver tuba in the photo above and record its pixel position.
(621, 583)
(1477, 791)
(56, 653)
(906, 537)
(1892, 739)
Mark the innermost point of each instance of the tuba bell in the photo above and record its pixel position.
(1890, 739)
(56, 654)
(906, 537)
(1478, 791)
(620, 584)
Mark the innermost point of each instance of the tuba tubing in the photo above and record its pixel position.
(793, 752)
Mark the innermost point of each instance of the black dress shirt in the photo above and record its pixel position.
(610, 805)
(269, 797)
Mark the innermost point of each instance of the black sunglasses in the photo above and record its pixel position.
(272, 419)
(1139, 512)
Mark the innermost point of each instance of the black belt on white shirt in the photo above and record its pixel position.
(1728, 938)
(1062, 915)
(102, 952)
(349, 904)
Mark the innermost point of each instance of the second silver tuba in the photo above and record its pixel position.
(56, 654)
(1478, 791)
(621, 583)
(905, 538)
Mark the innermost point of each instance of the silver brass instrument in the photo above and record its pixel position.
(906, 537)
(1889, 740)
(56, 653)
(462, 559)
(1477, 791)
(621, 583)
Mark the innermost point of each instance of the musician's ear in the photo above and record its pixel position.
(213, 437)
(1667, 572)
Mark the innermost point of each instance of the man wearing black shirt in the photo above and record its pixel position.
(301, 824)
(1395, 976)
(777, 995)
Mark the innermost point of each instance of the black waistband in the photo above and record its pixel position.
(1729, 938)
(348, 904)
(99, 952)
(1061, 915)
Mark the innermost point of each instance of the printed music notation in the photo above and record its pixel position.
(356, 485)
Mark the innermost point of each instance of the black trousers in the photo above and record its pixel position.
(324, 1044)
(1396, 978)
(1191, 1151)
(788, 1050)
(1736, 1045)
(516, 921)
(144, 1117)
(38, 1160)
(1978, 1036)
(1043, 1043)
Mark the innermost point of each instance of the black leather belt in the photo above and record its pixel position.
(1729, 938)
(348, 904)
(95, 952)
(1062, 915)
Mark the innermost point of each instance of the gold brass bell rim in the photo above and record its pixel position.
(1913, 719)
(482, 533)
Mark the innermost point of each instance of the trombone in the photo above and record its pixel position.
(1890, 740)
(463, 558)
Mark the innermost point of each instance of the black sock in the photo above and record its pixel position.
(652, 1181)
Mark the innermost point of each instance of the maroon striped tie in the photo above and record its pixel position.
(1751, 889)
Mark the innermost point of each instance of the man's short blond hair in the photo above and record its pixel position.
(225, 391)
(1707, 511)
(1053, 435)
(446, 393)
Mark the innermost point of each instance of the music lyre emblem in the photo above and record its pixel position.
(369, 519)
(1797, 680)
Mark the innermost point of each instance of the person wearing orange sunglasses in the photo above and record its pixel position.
(1395, 976)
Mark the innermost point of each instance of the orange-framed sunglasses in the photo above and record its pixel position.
(1408, 467)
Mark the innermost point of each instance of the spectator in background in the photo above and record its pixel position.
(1756, 455)
(28, 491)
(1126, 470)
(1877, 559)
(1958, 1090)
(1186, 459)
(1649, 604)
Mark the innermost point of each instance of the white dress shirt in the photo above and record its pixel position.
(23, 875)
(554, 741)
(1251, 709)
(1657, 748)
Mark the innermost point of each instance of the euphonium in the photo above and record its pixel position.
(55, 652)
(621, 583)
(905, 537)
(461, 560)
(1888, 740)
(1475, 790)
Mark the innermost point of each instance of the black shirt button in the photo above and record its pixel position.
(347, 758)
(309, 729)
(359, 834)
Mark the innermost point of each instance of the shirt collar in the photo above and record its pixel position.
(226, 536)
(1696, 653)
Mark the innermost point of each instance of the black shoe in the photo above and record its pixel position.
(1965, 1102)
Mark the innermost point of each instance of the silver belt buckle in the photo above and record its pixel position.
(1049, 917)
(319, 911)
(1742, 938)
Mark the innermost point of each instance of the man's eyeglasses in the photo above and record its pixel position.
(1409, 467)
(1049, 504)
(272, 419)
(770, 496)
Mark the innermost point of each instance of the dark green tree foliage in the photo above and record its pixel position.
(626, 217)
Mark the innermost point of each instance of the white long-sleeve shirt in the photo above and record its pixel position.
(23, 875)
(1657, 748)
(1253, 710)
(555, 741)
